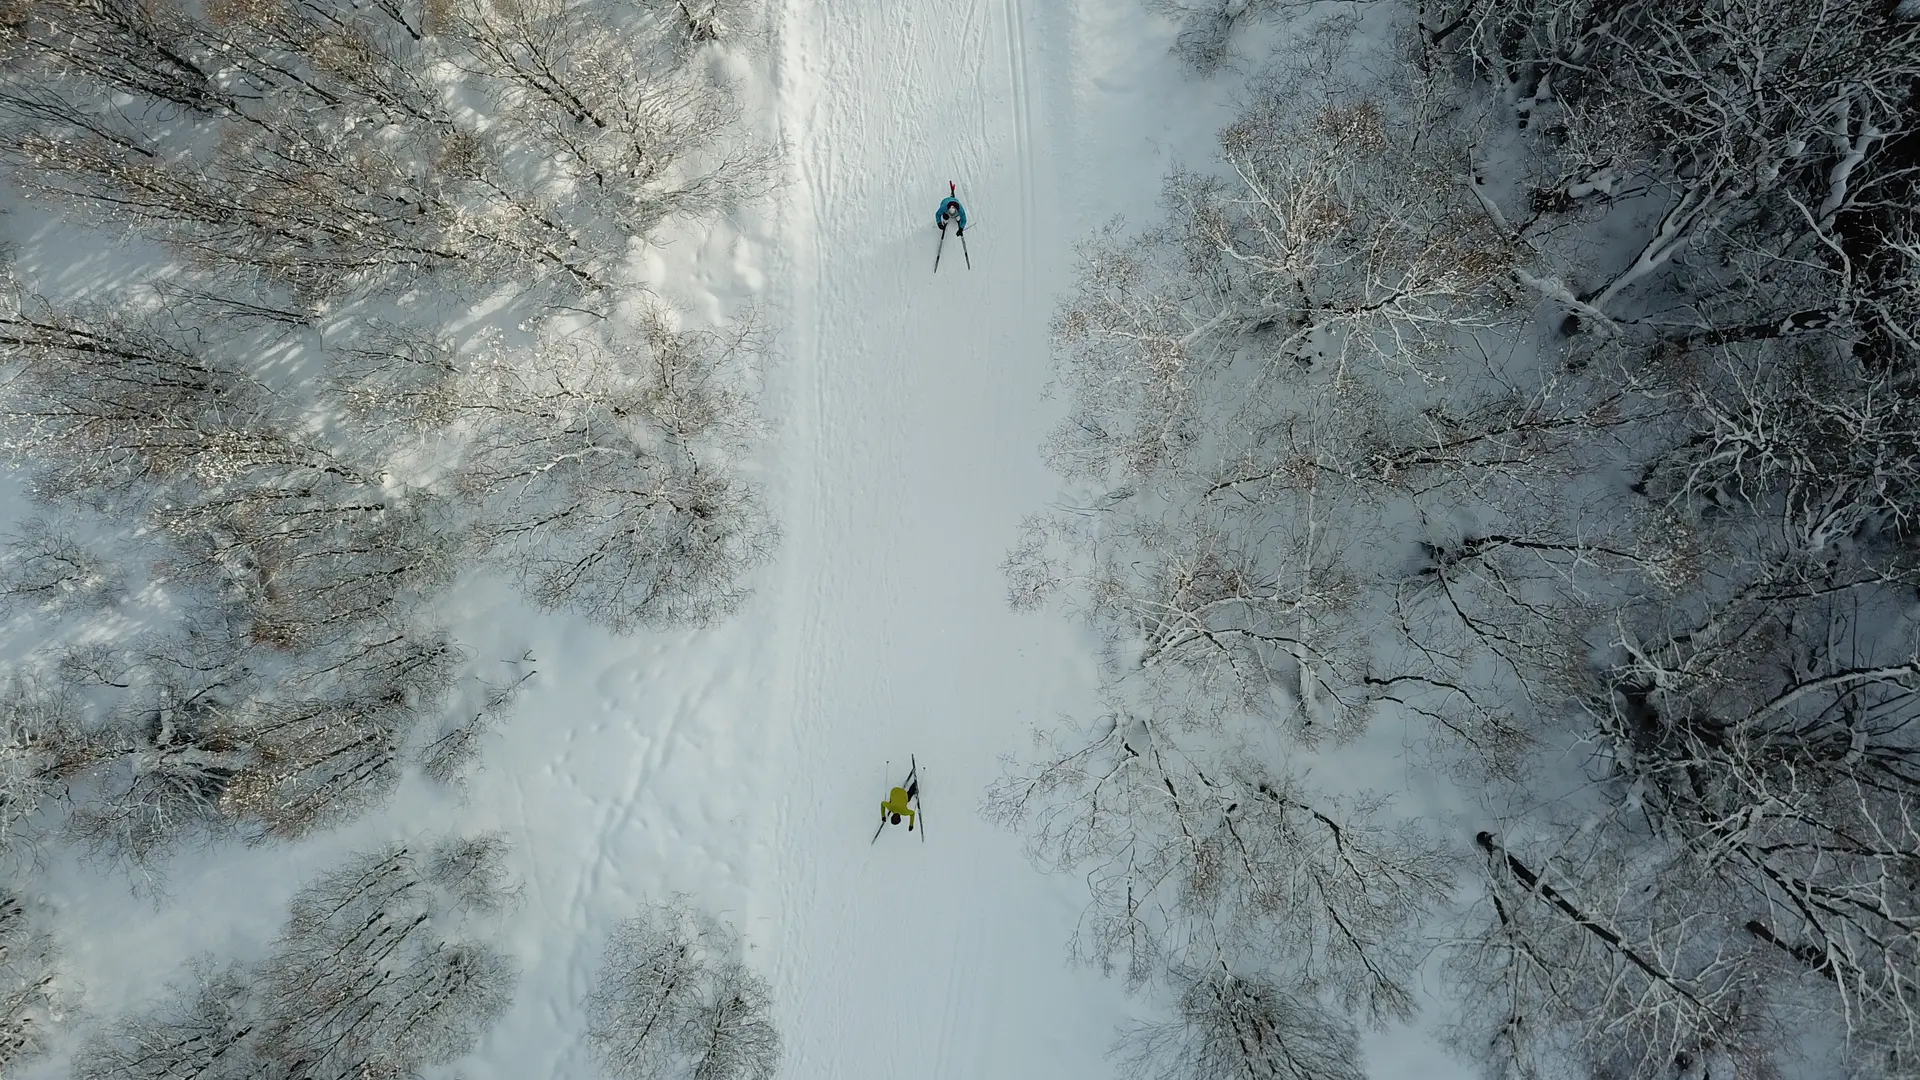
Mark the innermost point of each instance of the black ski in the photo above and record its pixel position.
(913, 771)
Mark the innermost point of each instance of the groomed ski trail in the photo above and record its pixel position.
(913, 410)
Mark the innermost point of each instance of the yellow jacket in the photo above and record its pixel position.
(897, 804)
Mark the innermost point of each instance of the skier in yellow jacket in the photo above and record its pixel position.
(896, 805)
(902, 802)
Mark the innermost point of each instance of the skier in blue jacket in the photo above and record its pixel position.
(951, 213)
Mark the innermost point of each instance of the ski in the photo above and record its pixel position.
(913, 772)
(943, 244)
(963, 250)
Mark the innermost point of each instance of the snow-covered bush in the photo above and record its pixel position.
(675, 1002)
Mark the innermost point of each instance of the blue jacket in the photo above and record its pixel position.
(939, 216)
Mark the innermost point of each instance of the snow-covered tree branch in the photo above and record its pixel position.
(675, 1001)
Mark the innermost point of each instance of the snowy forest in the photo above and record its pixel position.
(1549, 382)
(1526, 392)
(261, 456)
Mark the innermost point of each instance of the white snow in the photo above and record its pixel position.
(742, 765)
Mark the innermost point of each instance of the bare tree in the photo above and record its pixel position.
(310, 538)
(326, 213)
(163, 783)
(214, 752)
(205, 1033)
(208, 301)
(44, 744)
(377, 971)
(648, 140)
(383, 970)
(1710, 109)
(116, 403)
(396, 375)
(1189, 852)
(321, 152)
(1265, 389)
(309, 556)
(675, 1001)
(1694, 527)
(332, 165)
(48, 567)
(1783, 762)
(1635, 975)
(1827, 443)
(333, 54)
(697, 22)
(1242, 1027)
(1258, 380)
(1203, 620)
(31, 997)
(608, 474)
(337, 749)
(1338, 234)
(146, 49)
(449, 755)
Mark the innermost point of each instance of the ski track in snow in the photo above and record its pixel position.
(913, 412)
